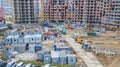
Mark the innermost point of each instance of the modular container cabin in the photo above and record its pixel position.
(32, 39)
(40, 56)
(63, 58)
(55, 57)
(38, 38)
(15, 39)
(27, 39)
(19, 48)
(32, 48)
(47, 58)
(21, 40)
(71, 59)
(8, 39)
(6, 33)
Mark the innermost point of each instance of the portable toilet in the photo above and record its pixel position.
(63, 58)
(15, 39)
(40, 56)
(8, 39)
(71, 59)
(55, 57)
(47, 58)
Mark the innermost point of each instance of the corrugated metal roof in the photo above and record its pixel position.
(55, 54)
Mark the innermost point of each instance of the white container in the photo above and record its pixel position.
(27, 39)
(32, 48)
(15, 39)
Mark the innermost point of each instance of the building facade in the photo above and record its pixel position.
(73, 10)
(111, 12)
(91, 12)
(24, 11)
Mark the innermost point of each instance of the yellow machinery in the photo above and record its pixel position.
(42, 18)
(79, 39)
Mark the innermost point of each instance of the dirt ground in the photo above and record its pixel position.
(47, 45)
(106, 40)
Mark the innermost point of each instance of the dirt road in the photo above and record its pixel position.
(89, 59)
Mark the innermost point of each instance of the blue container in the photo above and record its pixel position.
(38, 48)
(71, 59)
(40, 56)
(55, 48)
(63, 59)
(47, 58)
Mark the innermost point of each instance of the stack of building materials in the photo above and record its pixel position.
(55, 57)
(61, 46)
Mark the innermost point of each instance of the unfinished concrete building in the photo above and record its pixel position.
(24, 11)
(111, 12)
(73, 10)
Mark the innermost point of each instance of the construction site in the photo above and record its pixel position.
(71, 33)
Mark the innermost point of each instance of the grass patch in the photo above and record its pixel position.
(4, 58)
(38, 63)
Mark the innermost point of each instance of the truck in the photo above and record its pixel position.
(86, 47)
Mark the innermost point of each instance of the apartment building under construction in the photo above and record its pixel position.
(25, 11)
(72, 10)
(92, 12)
